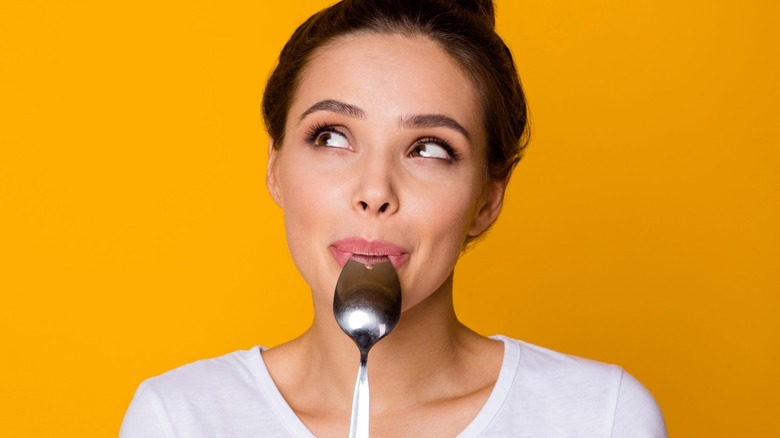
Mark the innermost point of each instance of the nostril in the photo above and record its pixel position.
(383, 207)
(364, 205)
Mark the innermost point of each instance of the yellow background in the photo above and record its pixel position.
(136, 233)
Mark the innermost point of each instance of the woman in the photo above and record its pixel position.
(394, 126)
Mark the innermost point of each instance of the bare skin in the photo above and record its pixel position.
(373, 175)
(431, 386)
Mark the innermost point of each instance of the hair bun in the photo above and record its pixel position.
(483, 8)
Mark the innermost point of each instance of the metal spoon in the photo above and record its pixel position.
(367, 306)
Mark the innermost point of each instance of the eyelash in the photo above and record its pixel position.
(320, 128)
(444, 144)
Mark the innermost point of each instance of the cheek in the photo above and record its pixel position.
(442, 221)
(304, 204)
(448, 212)
(440, 224)
(309, 211)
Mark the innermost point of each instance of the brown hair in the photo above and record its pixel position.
(464, 29)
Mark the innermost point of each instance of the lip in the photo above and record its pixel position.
(368, 251)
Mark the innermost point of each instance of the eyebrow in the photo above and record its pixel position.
(434, 121)
(413, 121)
(335, 106)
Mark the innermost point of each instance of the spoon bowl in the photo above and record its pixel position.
(367, 302)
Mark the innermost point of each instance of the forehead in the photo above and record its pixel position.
(389, 75)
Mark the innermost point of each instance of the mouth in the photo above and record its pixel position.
(368, 252)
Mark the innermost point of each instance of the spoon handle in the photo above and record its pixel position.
(358, 427)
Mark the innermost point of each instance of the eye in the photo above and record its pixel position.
(331, 139)
(433, 148)
(327, 136)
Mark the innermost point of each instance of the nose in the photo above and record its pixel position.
(375, 191)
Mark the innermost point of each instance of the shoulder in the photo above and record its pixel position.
(238, 365)
(199, 398)
(636, 413)
(207, 376)
(540, 365)
(575, 393)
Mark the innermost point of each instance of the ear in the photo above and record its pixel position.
(489, 209)
(272, 175)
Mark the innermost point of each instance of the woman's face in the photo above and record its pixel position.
(384, 158)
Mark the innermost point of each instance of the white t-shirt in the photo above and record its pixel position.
(539, 393)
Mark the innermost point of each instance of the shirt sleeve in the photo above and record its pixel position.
(141, 419)
(637, 415)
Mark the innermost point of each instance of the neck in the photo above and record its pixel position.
(413, 362)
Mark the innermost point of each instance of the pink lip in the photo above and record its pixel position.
(368, 251)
